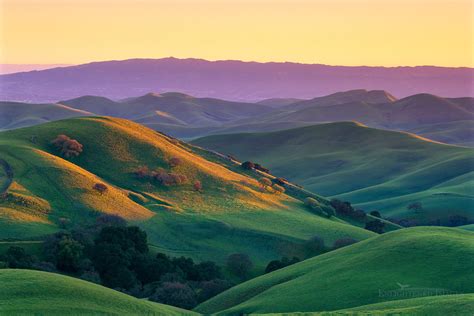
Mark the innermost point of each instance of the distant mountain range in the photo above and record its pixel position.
(232, 80)
(449, 120)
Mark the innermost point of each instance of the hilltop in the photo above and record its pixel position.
(356, 275)
(233, 80)
(375, 169)
(35, 292)
(179, 219)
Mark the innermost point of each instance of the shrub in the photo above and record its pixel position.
(278, 264)
(239, 264)
(208, 270)
(457, 220)
(175, 161)
(376, 226)
(248, 165)
(169, 179)
(376, 214)
(311, 202)
(265, 182)
(68, 147)
(17, 258)
(343, 242)
(197, 186)
(175, 294)
(281, 181)
(142, 172)
(107, 220)
(278, 189)
(212, 288)
(261, 168)
(100, 187)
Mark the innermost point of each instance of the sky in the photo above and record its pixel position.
(335, 32)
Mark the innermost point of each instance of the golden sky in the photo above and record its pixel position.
(336, 32)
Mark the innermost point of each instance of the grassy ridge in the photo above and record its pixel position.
(178, 219)
(365, 273)
(41, 293)
(375, 169)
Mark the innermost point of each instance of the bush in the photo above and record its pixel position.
(278, 189)
(197, 186)
(175, 161)
(281, 181)
(100, 187)
(415, 207)
(66, 146)
(311, 202)
(169, 179)
(248, 165)
(261, 168)
(239, 264)
(376, 214)
(343, 242)
(17, 258)
(212, 288)
(278, 264)
(142, 172)
(376, 226)
(175, 294)
(265, 182)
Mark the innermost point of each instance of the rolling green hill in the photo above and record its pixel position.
(382, 269)
(16, 114)
(41, 293)
(457, 133)
(230, 214)
(375, 169)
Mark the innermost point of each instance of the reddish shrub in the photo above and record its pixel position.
(197, 185)
(278, 188)
(142, 172)
(68, 147)
(175, 161)
(100, 187)
(265, 182)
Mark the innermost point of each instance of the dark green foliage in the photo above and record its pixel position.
(376, 226)
(376, 214)
(175, 294)
(17, 258)
(212, 288)
(346, 209)
(248, 165)
(239, 264)
(415, 207)
(278, 264)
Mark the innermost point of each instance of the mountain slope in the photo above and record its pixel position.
(41, 293)
(170, 108)
(233, 80)
(375, 169)
(457, 133)
(177, 218)
(364, 273)
(15, 114)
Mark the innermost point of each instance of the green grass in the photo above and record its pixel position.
(230, 215)
(428, 259)
(459, 132)
(374, 169)
(26, 292)
(460, 304)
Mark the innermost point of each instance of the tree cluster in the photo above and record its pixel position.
(67, 146)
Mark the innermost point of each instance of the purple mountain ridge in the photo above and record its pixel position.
(231, 80)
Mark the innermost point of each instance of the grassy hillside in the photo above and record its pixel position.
(41, 293)
(458, 133)
(16, 114)
(178, 219)
(375, 169)
(459, 304)
(368, 272)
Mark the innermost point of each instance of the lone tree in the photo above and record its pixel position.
(415, 206)
(248, 165)
(100, 187)
(239, 264)
(66, 146)
(197, 186)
